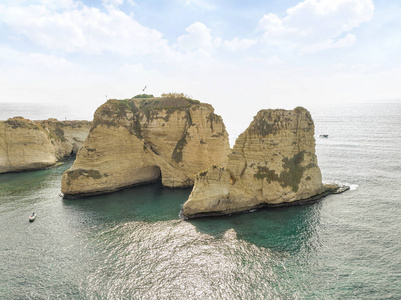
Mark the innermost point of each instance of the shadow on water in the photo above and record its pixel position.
(280, 229)
(149, 203)
(31, 184)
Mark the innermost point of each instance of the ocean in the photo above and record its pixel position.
(131, 244)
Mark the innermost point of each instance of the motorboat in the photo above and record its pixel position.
(32, 217)
(324, 135)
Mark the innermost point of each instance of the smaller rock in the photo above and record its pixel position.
(28, 145)
(273, 163)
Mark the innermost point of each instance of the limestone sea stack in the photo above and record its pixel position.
(272, 163)
(141, 140)
(29, 145)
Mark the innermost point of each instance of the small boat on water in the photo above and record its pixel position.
(324, 135)
(32, 217)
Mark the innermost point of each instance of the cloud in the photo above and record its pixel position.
(314, 25)
(347, 41)
(52, 4)
(113, 2)
(132, 2)
(237, 44)
(198, 36)
(34, 64)
(264, 61)
(79, 28)
(201, 4)
(72, 27)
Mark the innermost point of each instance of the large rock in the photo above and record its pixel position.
(28, 145)
(140, 140)
(273, 162)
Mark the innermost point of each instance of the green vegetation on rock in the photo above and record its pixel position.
(75, 174)
(264, 127)
(177, 153)
(169, 103)
(60, 134)
(143, 96)
(203, 173)
(180, 96)
(265, 173)
(131, 111)
(292, 174)
(19, 122)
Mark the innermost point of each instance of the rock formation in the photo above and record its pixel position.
(28, 145)
(273, 162)
(140, 140)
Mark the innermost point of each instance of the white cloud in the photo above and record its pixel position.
(198, 36)
(82, 29)
(32, 64)
(59, 4)
(113, 2)
(360, 68)
(131, 68)
(51, 4)
(314, 25)
(347, 41)
(131, 2)
(201, 4)
(237, 44)
(274, 60)
(264, 61)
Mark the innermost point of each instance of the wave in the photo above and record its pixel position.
(352, 186)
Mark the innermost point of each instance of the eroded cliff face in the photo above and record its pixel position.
(272, 162)
(140, 140)
(28, 145)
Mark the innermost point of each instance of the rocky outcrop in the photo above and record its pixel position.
(137, 141)
(273, 163)
(28, 145)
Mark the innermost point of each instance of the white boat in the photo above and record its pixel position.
(32, 217)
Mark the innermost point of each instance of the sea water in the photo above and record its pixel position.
(132, 245)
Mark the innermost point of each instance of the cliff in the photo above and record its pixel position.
(272, 163)
(28, 145)
(136, 141)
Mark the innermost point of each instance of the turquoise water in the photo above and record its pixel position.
(132, 245)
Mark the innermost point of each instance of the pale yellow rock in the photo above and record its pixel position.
(75, 132)
(140, 140)
(272, 162)
(28, 145)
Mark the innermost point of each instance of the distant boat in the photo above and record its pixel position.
(324, 135)
(32, 217)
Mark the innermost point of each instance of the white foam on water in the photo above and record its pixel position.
(352, 186)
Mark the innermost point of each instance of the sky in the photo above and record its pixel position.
(239, 56)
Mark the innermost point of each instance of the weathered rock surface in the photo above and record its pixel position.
(140, 140)
(273, 162)
(28, 145)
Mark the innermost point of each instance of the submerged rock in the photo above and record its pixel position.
(28, 145)
(137, 141)
(273, 163)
